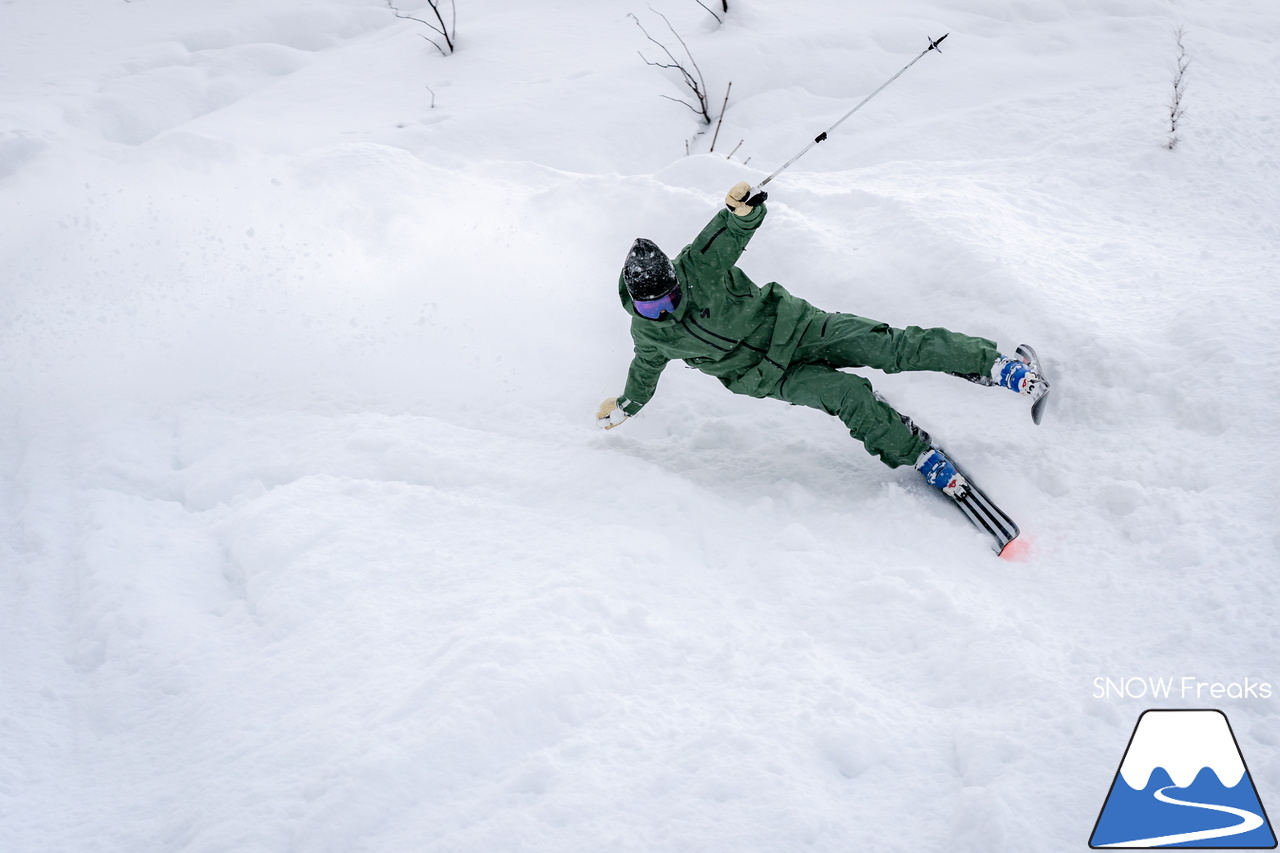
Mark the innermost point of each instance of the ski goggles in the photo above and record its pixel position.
(653, 308)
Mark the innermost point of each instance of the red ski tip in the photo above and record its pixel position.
(1018, 550)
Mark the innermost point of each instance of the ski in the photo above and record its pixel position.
(1040, 396)
(982, 512)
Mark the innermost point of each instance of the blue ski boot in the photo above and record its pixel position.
(1015, 374)
(939, 472)
(1020, 374)
(1025, 376)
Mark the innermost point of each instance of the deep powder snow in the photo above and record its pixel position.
(307, 541)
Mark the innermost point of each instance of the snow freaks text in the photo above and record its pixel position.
(1184, 687)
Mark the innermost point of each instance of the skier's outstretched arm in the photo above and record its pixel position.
(642, 381)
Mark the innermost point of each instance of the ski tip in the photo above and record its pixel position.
(1037, 408)
(1027, 354)
(1016, 550)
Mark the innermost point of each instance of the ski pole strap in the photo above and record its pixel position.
(933, 45)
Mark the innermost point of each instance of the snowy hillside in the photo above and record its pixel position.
(308, 541)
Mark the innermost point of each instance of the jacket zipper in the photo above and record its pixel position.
(723, 228)
(763, 352)
(713, 334)
(704, 340)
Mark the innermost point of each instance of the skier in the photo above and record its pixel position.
(764, 342)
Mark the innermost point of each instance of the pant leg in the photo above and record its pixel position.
(850, 398)
(846, 340)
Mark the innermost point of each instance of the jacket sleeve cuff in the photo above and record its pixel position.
(756, 213)
(631, 407)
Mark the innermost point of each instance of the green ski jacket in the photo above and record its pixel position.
(725, 324)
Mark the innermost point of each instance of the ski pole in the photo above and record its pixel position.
(933, 45)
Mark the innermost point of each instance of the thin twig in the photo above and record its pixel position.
(1176, 109)
(719, 20)
(720, 120)
(735, 149)
(433, 97)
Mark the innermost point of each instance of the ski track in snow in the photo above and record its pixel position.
(307, 542)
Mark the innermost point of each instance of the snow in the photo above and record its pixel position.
(308, 540)
(1184, 743)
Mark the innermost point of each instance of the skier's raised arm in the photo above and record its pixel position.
(719, 245)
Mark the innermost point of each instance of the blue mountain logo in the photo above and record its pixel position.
(1183, 783)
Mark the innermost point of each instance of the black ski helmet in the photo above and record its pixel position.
(648, 272)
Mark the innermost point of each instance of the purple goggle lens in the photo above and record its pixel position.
(653, 308)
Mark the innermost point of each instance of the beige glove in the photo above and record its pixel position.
(742, 199)
(610, 414)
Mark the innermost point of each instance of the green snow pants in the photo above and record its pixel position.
(833, 341)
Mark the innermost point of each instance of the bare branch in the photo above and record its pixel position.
(434, 44)
(697, 85)
(1176, 108)
(449, 33)
(686, 103)
(719, 20)
(699, 92)
(720, 120)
